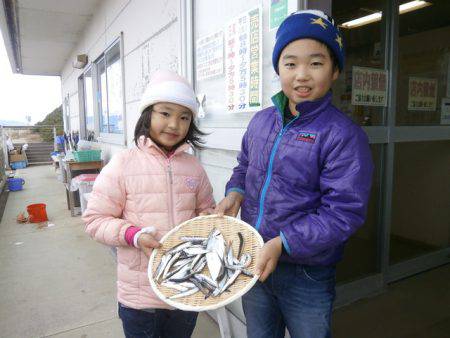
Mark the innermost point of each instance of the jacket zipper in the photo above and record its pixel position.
(269, 173)
(170, 192)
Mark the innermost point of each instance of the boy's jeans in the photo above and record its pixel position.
(158, 324)
(298, 297)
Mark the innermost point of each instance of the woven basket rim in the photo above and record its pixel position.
(220, 303)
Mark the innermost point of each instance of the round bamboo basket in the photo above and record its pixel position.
(201, 226)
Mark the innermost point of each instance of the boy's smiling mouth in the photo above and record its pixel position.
(302, 91)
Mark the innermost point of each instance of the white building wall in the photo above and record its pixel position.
(151, 40)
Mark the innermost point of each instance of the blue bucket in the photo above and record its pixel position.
(15, 184)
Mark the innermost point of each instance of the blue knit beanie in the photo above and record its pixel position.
(309, 24)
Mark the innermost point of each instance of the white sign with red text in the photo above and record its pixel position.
(369, 86)
(422, 94)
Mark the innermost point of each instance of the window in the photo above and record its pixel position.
(66, 110)
(88, 105)
(110, 94)
(103, 95)
(361, 89)
(423, 91)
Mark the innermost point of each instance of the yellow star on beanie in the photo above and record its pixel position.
(319, 21)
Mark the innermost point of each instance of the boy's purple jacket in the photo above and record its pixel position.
(308, 182)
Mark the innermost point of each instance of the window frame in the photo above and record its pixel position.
(108, 137)
(82, 97)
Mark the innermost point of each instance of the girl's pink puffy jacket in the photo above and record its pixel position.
(143, 187)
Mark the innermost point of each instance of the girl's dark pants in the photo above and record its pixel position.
(158, 323)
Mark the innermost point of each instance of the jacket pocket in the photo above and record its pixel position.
(129, 256)
(319, 274)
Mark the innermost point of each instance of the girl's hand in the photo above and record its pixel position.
(268, 258)
(230, 205)
(147, 243)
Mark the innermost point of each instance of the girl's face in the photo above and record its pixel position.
(169, 124)
(306, 71)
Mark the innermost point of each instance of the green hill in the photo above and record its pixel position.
(55, 118)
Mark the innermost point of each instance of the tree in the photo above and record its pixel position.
(45, 127)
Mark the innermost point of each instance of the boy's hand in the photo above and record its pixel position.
(268, 258)
(230, 205)
(147, 243)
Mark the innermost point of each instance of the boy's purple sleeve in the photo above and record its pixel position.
(237, 180)
(345, 183)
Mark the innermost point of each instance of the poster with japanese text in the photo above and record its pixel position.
(422, 94)
(209, 56)
(369, 87)
(243, 62)
(445, 110)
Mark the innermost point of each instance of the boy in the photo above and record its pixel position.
(303, 179)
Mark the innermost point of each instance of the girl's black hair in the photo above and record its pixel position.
(193, 136)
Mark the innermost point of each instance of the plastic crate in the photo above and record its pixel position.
(87, 155)
(18, 165)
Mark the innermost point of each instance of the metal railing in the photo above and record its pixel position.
(20, 135)
(31, 134)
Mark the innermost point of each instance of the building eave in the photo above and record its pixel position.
(9, 26)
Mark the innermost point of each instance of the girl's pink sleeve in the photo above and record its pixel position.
(205, 198)
(106, 203)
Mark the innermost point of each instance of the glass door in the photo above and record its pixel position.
(420, 219)
(361, 93)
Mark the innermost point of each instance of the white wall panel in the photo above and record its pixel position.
(159, 52)
(224, 138)
(115, 8)
(94, 41)
(151, 41)
(219, 164)
(141, 20)
(132, 117)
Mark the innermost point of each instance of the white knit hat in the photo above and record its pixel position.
(167, 86)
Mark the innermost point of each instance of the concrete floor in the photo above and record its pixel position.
(57, 282)
(416, 307)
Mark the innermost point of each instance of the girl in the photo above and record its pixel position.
(144, 192)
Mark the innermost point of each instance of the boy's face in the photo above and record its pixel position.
(306, 71)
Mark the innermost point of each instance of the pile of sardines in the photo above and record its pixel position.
(181, 266)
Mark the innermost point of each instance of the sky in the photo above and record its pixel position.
(26, 95)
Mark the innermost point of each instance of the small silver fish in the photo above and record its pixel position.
(179, 247)
(175, 286)
(162, 265)
(230, 281)
(194, 251)
(206, 280)
(216, 247)
(215, 265)
(169, 264)
(193, 239)
(182, 266)
(185, 293)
